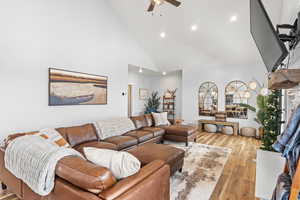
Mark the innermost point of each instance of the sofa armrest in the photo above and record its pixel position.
(84, 174)
(152, 178)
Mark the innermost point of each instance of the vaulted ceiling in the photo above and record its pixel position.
(217, 41)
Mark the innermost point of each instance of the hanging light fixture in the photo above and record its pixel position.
(158, 2)
(247, 95)
(252, 85)
(264, 91)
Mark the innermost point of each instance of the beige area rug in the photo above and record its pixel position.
(203, 166)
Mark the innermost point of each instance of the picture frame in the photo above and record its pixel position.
(67, 87)
(143, 93)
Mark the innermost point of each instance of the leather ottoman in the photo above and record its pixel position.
(147, 153)
(181, 133)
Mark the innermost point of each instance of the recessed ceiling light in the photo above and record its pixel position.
(162, 34)
(141, 70)
(233, 18)
(194, 27)
(164, 73)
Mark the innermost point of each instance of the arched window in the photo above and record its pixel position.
(235, 97)
(208, 99)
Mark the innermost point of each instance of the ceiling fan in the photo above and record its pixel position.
(159, 2)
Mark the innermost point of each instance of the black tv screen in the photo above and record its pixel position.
(271, 48)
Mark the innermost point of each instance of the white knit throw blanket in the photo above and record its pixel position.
(33, 160)
(113, 127)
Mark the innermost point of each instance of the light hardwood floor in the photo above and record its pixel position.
(237, 181)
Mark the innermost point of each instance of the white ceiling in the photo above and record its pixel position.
(216, 42)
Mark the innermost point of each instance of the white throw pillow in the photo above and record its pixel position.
(161, 118)
(120, 163)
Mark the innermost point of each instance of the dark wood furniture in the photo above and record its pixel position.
(169, 106)
(284, 79)
(234, 125)
(221, 116)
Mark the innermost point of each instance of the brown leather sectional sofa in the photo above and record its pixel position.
(76, 177)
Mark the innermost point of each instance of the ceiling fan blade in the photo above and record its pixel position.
(174, 2)
(151, 7)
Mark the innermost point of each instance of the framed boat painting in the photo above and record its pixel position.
(75, 88)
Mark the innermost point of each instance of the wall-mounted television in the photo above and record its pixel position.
(271, 48)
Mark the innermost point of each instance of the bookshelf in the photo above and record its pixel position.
(169, 106)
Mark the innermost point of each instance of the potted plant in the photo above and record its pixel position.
(153, 103)
(268, 117)
(261, 102)
(268, 162)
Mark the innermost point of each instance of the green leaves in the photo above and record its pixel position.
(261, 101)
(249, 107)
(270, 117)
(153, 103)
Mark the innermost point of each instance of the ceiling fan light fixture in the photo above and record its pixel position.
(158, 2)
(154, 3)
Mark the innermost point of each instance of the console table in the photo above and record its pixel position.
(234, 125)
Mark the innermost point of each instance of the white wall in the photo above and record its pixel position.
(76, 35)
(155, 81)
(221, 75)
(172, 81)
(140, 80)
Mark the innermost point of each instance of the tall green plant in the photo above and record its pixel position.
(271, 120)
(261, 102)
(268, 116)
(153, 103)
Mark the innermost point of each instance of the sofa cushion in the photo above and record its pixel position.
(122, 142)
(95, 144)
(149, 120)
(155, 130)
(120, 163)
(78, 134)
(140, 135)
(113, 127)
(139, 121)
